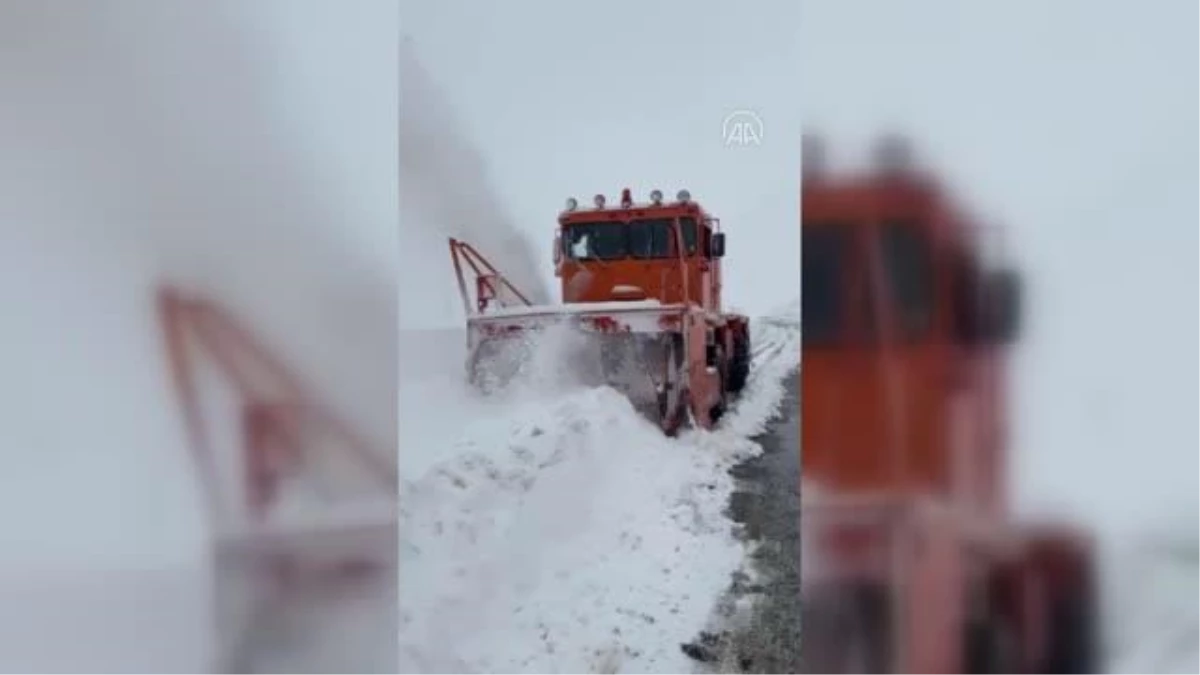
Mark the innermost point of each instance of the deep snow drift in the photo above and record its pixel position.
(559, 531)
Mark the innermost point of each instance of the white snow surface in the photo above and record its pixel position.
(1150, 584)
(559, 531)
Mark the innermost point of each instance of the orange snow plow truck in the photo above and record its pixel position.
(641, 298)
(911, 561)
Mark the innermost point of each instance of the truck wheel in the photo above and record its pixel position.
(1007, 648)
(739, 366)
(1073, 647)
(991, 647)
(718, 410)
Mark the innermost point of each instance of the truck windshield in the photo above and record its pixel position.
(822, 277)
(650, 238)
(596, 241)
(642, 239)
(908, 269)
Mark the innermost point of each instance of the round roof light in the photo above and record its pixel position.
(656, 196)
(684, 196)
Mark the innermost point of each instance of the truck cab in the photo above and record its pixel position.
(662, 251)
(904, 336)
(913, 560)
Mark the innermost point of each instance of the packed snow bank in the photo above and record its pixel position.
(579, 538)
(561, 532)
(1151, 615)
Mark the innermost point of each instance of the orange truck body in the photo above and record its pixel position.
(693, 277)
(913, 563)
(888, 409)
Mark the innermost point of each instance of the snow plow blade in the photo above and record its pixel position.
(626, 348)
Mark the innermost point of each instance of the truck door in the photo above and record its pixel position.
(912, 368)
(840, 395)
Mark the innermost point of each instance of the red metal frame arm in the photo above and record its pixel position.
(486, 275)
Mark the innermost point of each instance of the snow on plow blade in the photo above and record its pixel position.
(630, 346)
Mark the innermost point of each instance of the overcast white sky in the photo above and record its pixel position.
(575, 99)
(335, 66)
(1074, 124)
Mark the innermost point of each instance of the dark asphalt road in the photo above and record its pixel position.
(766, 503)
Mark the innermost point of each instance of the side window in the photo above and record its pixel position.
(908, 273)
(595, 241)
(824, 255)
(650, 238)
(690, 234)
(966, 308)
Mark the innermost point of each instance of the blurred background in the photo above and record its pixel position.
(199, 242)
(1073, 127)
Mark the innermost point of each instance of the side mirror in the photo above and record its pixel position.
(1002, 302)
(717, 245)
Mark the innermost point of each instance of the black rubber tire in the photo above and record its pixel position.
(991, 647)
(739, 366)
(1074, 647)
(717, 411)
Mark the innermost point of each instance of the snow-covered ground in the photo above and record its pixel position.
(559, 531)
(1151, 582)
